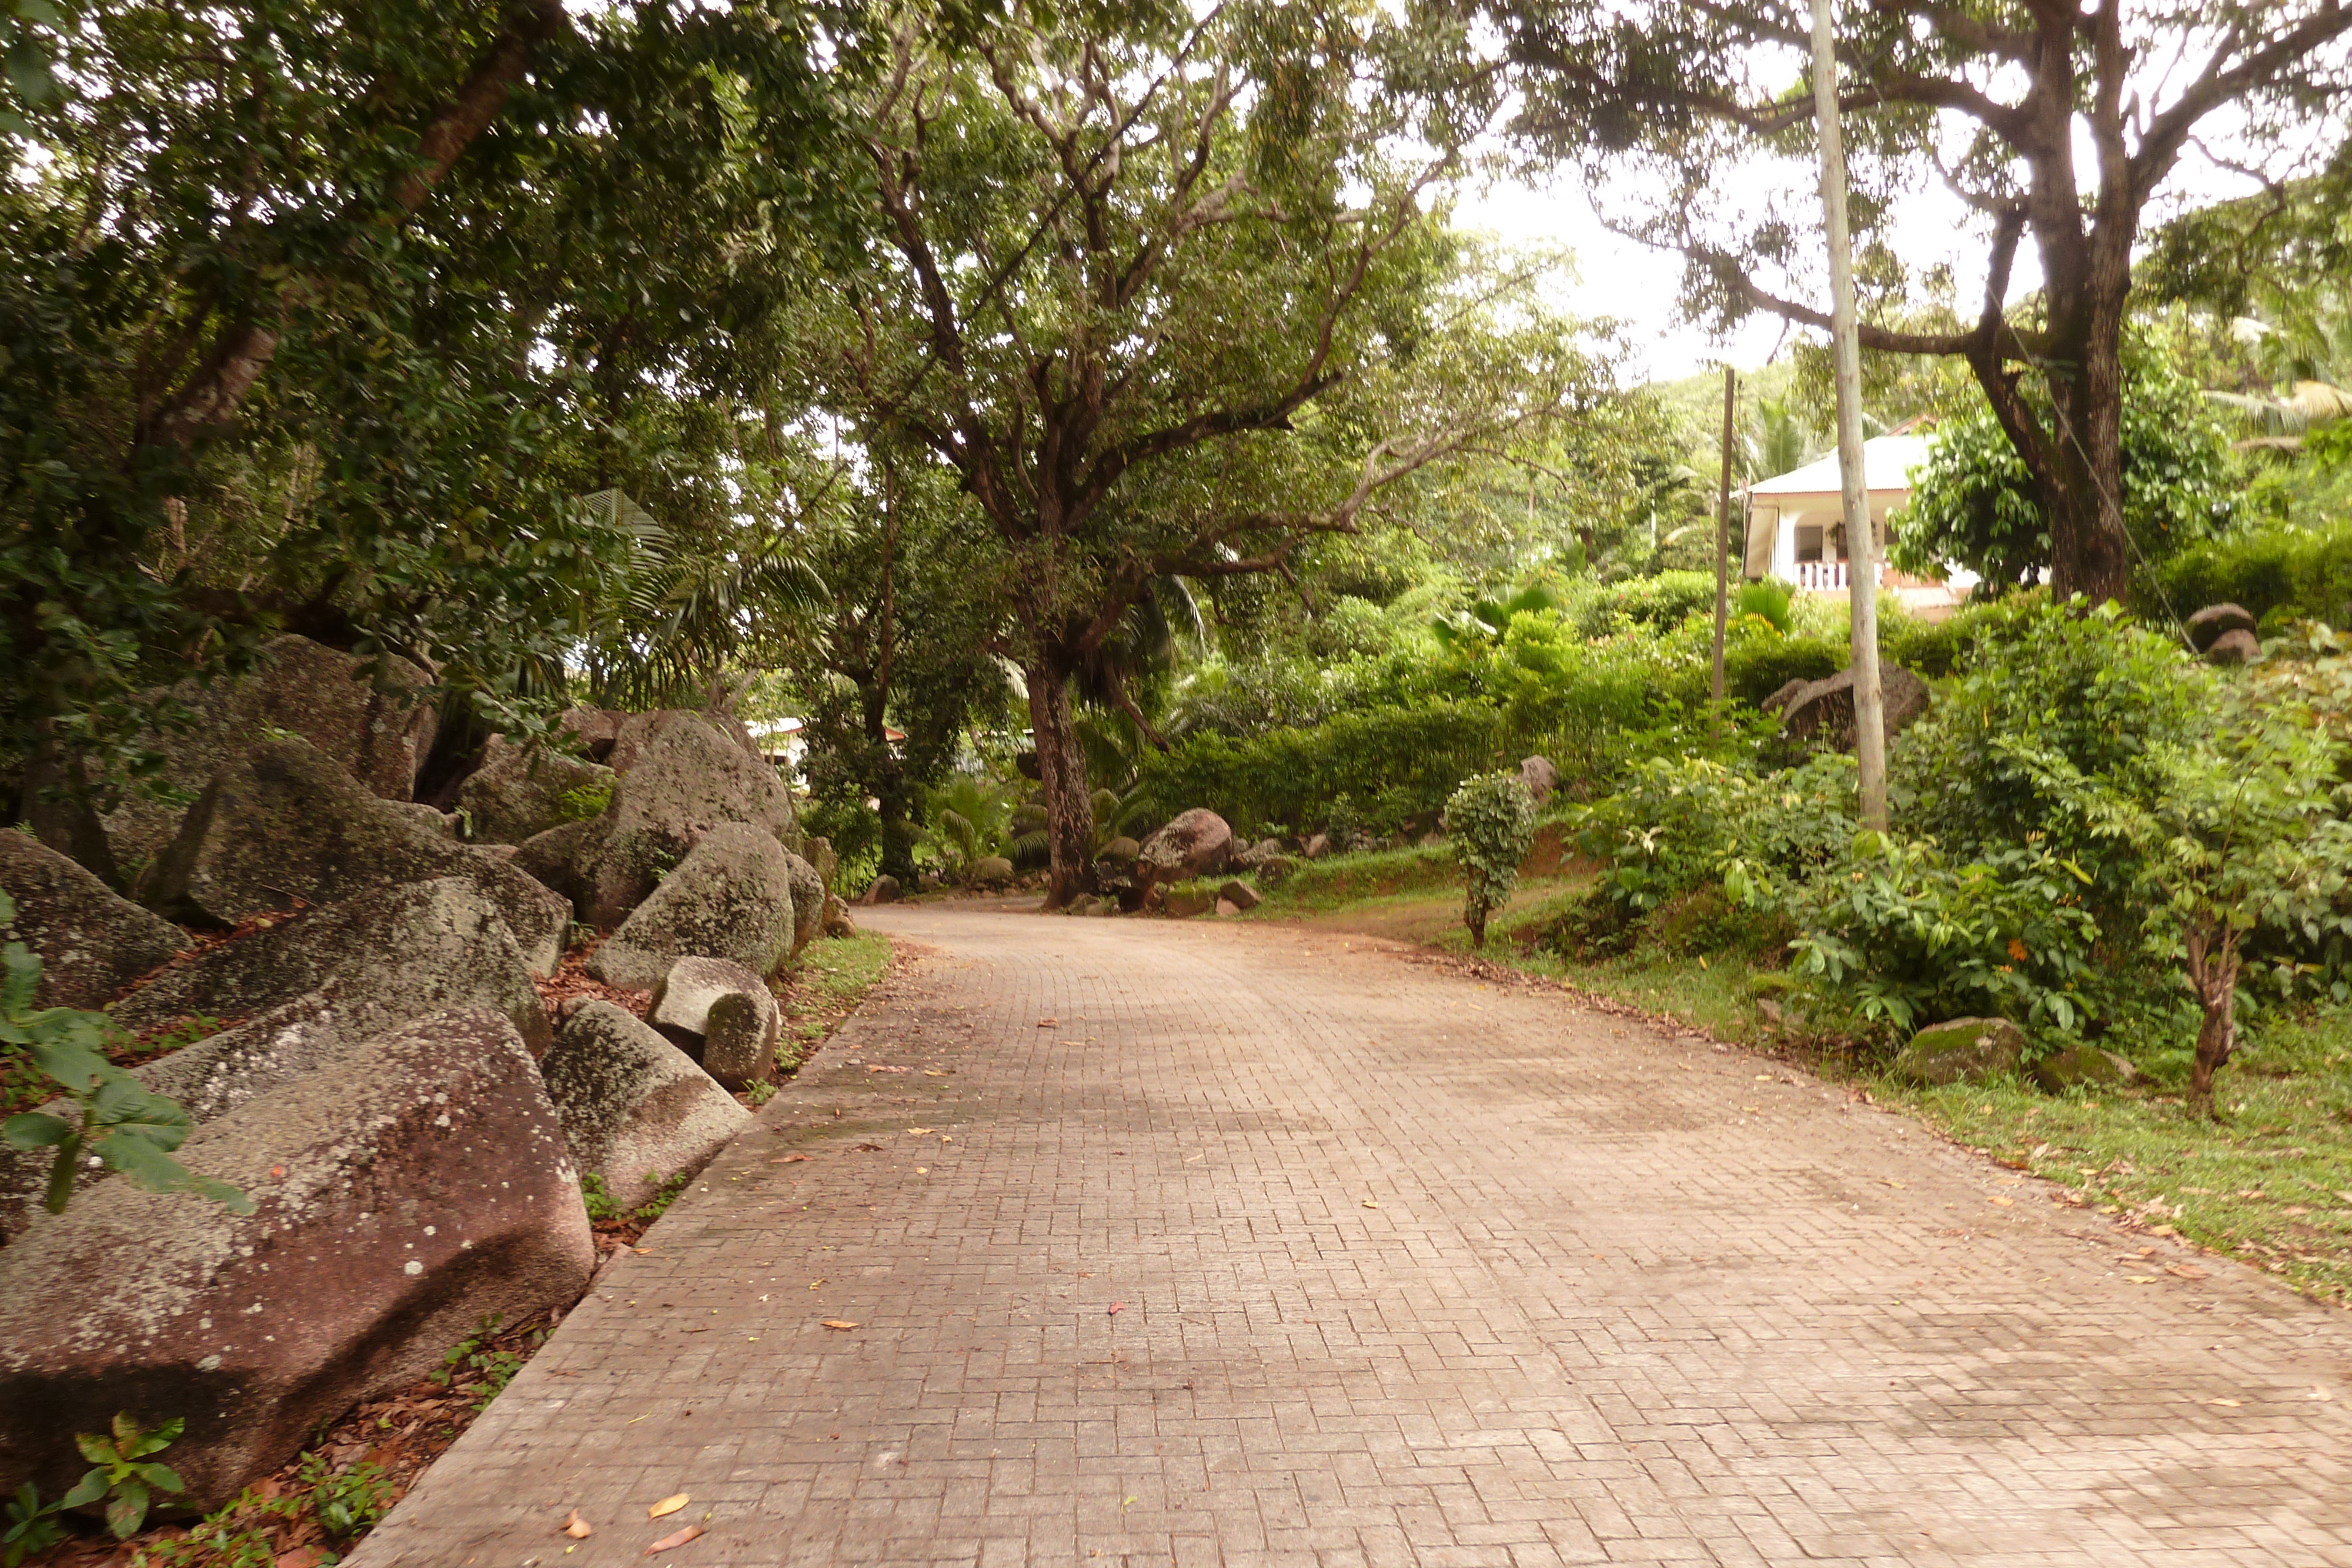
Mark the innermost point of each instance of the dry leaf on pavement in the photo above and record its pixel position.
(667, 1505)
(680, 1538)
(1369, 1204)
(2004, 1202)
(1116, 1308)
(578, 1528)
(2187, 1272)
(839, 1324)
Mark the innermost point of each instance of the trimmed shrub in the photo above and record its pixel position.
(1490, 825)
(1397, 766)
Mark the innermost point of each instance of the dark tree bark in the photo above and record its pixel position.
(2213, 965)
(1062, 773)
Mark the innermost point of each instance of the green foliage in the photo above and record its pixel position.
(477, 1364)
(1398, 765)
(1904, 936)
(584, 801)
(346, 1502)
(1768, 600)
(1754, 667)
(2089, 687)
(2276, 574)
(121, 1473)
(33, 1527)
(1490, 825)
(1657, 603)
(970, 820)
(1975, 505)
(1679, 823)
(119, 1120)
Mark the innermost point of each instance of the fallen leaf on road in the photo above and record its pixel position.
(788, 1159)
(1369, 1204)
(2187, 1272)
(578, 1528)
(668, 1505)
(2004, 1202)
(919, 1132)
(300, 1557)
(1049, 1023)
(2226, 1403)
(1116, 1308)
(2141, 1278)
(881, 1069)
(839, 1324)
(680, 1538)
(1892, 1181)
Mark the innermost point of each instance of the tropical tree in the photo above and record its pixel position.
(2047, 119)
(1163, 294)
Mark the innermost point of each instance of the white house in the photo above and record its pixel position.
(1796, 528)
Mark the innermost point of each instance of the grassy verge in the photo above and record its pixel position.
(2271, 1185)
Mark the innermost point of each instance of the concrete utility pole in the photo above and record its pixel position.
(1862, 542)
(1723, 531)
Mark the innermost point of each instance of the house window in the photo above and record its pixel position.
(1808, 542)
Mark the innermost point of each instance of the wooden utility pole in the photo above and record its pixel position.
(1723, 532)
(1862, 542)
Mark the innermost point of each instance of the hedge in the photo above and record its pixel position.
(2276, 574)
(1397, 765)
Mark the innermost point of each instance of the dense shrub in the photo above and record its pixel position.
(1490, 824)
(1657, 603)
(1396, 765)
(2275, 573)
(2088, 688)
(1754, 667)
(1683, 821)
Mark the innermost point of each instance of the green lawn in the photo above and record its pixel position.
(2271, 1183)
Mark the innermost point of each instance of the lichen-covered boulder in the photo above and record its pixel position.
(521, 790)
(989, 870)
(1540, 778)
(688, 780)
(376, 730)
(837, 923)
(597, 728)
(1196, 843)
(638, 731)
(551, 859)
(730, 897)
(1240, 895)
(818, 851)
(2082, 1067)
(209, 1079)
(91, 943)
(413, 1184)
(883, 889)
(723, 1016)
(1962, 1051)
(282, 823)
(1186, 901)
(809, 898)
(635, 1109)
(390, 953)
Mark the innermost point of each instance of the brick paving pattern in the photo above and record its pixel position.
(1273, 1249)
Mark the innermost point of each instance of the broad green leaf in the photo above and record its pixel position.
(35, 1130)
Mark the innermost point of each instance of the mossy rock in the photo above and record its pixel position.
(2084, 1067)
(1962, 1051)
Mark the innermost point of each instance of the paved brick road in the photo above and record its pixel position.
(1624, 1299)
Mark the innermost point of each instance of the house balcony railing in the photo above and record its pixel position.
(1825, 576)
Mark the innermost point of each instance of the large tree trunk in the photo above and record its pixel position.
(1062, 771)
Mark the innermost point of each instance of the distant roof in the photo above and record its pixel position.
(1886, 465)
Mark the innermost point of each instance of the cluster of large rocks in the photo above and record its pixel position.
(381, 1077)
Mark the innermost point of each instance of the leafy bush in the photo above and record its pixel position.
(1398, 764)
(1906, 937)
(485, 1366)
(121, 1474)
(2047, 684)
(2275, 574)
(1490, 824)
(1754, 667)
(1657, 603)
(1680, 822)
